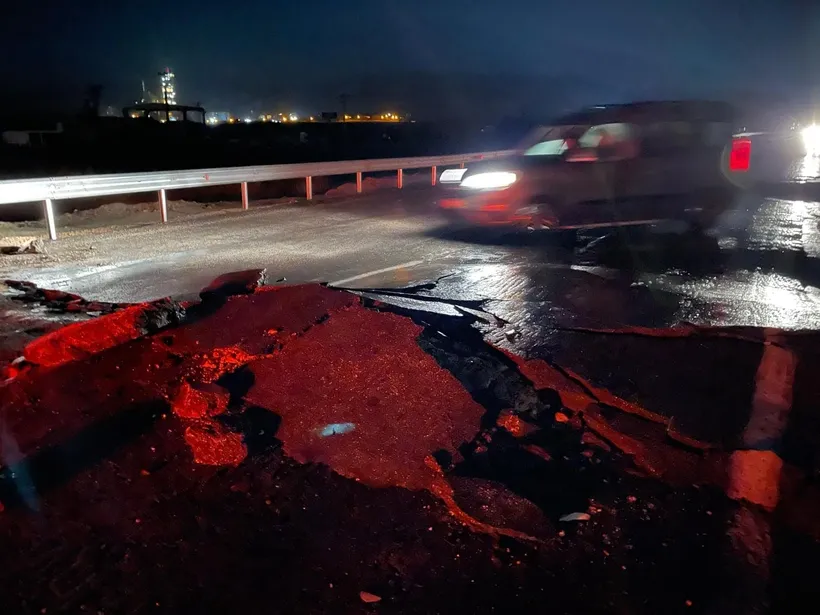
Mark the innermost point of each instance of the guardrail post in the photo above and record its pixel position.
(433, 176)
(358, 182)
(163, 205)
(244, 190)
(400, 178)
(308, 187)
(461, 166)
(48, 208)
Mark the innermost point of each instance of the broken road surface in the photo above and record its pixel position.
(325, 451)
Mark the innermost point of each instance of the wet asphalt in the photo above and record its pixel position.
(586, 309)
(758, 267)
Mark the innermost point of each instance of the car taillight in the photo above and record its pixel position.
(740, 155)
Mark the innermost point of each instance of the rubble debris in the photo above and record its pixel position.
(161, 314)
(590, 439)
(82, 339)
(443, 490)
(212, 444)
(369, 598)
(60, 296)
(575, 391)
(537, 451)
(235, 283)
(639, 453)
(200, 401)
(514, 424)
(754, 476)
(31, 246)
(59, 301)
(495, 504)
(211, 366)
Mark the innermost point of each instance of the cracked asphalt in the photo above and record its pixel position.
(758, 267)
(500, 422)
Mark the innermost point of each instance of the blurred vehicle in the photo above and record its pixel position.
(616, 165)
(777, 154)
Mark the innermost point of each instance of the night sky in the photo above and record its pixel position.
(432, 58)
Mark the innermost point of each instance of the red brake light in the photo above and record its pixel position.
(740, 155)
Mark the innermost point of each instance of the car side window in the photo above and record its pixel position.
(666, 137)
(614, 141)
(716, 134)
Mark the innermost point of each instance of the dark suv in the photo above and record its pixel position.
(616, 165)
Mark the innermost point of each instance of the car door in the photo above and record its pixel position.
(664, 169)
(679, 161)
(594, 173)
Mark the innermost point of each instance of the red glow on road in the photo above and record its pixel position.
(400, 403)
(195, 403)
(83, 339)
(215, 446)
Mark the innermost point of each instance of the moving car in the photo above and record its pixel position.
(777, 154)
(614, 165)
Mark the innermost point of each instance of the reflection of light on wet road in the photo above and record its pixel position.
(778, 226)
(498, 281)
(745, 299)
(770, 276)
(809, 168)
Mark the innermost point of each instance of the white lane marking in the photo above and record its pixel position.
(606, 273)
(406, 265)
(754, 473)
(571, 227)
(772, 397)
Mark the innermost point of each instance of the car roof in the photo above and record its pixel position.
(647, 111)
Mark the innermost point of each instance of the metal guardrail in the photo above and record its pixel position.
(48, 189)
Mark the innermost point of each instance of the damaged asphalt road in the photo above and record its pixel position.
(315, 450)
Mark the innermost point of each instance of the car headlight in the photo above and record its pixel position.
(811, 138)
(493, 179)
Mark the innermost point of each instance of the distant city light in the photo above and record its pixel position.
(168, 87)
(276, 118)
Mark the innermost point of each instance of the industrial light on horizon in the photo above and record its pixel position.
(167, 81)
